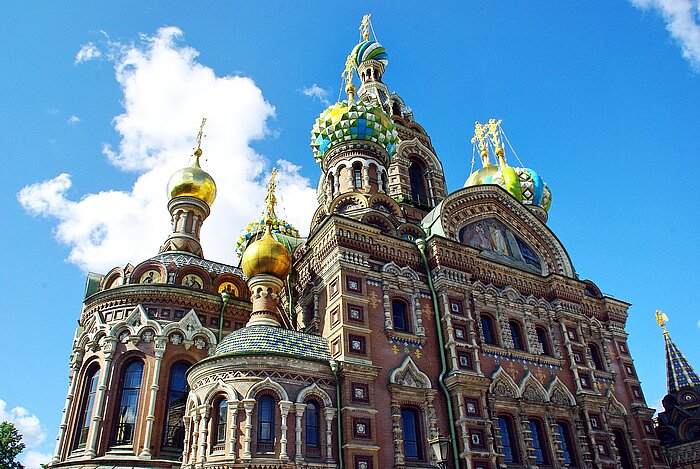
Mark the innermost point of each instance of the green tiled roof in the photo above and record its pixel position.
(255, 340)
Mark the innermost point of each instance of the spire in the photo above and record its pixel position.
(679, 372)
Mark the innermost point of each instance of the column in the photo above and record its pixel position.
(75, 368)
(329, 413)
(299, 408)
(365, 176)
(233, 428)
(248, 405)
(151, 417)
(108, 348)
(195, 436)
(285, 406)
(187, 420)
(336, 181)
(203, 432)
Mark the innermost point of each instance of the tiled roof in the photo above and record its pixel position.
(181, 260)
(680, 373)
(274, 340)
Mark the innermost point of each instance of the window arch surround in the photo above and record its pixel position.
(417, 180)
(219, 421)
(596, 357)
(544, 341)
(312, 428)
(127, 408)
(87, 403)
(487, 325)
(516, 334)
(266, 410)
(401, 317)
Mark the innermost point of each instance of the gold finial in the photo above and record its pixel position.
(198, 148)
(480, 131)
(661, 320)
(495, 137)
(270, 199)
(347, 76)
(364, 27)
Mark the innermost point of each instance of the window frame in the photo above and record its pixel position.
(312, 449)
(505, 424)
(119, 409)
(539, 440)
(169, 402)
(544, 340)
(516, 334)
(265, 445)
(415, 414)
(566, 443)
(596, 357)
(406, 316)
(488, 329)
(219, 431)
(87, 406)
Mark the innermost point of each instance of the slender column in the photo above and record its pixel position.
(329, 413)
(187, 420)
(195, 436)
(109, 347)
(75, 369)
(248, 405)
(336, 180)
(285, 406)
(233, 429)
(365, 176)
(151, 417)
(203, 425)
(299, 408)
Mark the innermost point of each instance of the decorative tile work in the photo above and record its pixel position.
(182, 260)
(360, 392)
(525, 361)
(268, 339)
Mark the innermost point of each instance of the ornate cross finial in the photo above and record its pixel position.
(270, 199)
(347, 76)
(198, 148)
(364, 27)
(480, 134)
(661, 320)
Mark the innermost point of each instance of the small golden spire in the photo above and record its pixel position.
(270, 199)
(347, 76)
(495, 137)
(198, 148)
(480, 131)
(661, 320)
(364, 27)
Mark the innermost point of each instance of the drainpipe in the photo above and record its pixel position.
(334, 368)
(443, 360)
(225, 296)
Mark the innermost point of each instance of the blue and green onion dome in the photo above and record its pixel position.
(369, 50)
(522, 183)
(280, 229)
(353, 120)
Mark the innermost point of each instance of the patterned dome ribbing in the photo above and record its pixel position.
(369, 50)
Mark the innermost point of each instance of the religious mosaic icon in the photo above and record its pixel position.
(192, 281)
(150, 276)
(228, 287)
(497, 242)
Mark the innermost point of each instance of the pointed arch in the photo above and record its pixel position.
(267, 383)
(314, 390)
(532, 390)
(614, 407)
(559, 393)
(219, 388)
(502, 385)
(409, 375)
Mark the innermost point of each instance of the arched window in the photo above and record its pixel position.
(410, 426)
(487, 329)
(174, 433)
(357, 176)
(266, 425)
(128, 404)
(311, 425)
(567, 447)
(595, 357)
(331, 183)
(539, 442)
(517, 335)
(416, 175)
(399, 311)
(510, 449)
(622, 449)
(86, 406)
(220, 419)
(543, 340)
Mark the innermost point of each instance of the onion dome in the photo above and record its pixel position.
(522, 183)
(353, 120)
(369, 50)
(266, 256)
(193, 181)
(279, 228)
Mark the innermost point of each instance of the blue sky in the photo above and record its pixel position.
(603, 101)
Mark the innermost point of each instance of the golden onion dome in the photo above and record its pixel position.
(266, 256)
(193, 181)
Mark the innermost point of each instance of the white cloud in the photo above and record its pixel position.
(87, 52)
(28, 425)
(698, 323)
(315, 91)
(166, 92)
(73, 119)
(681, 17)
(34, 459)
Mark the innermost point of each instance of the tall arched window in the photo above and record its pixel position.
(487, 329)
(510, 449)
(410, 426)
(416, 175)
(174, 432)
(86, 406)
(595, 356)
(266, 424)
(220, 419)
(543, 340)
(539, 442)
(311, 425)
(399, 311)
(567, 447)
(517, 335)
(128, 404)
(357, 176)
(331, 183)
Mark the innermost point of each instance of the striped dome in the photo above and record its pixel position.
(522, 183)
(369, 50)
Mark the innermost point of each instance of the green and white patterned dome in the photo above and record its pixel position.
(352, 120)
(369, 50)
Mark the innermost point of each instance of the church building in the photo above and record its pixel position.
(412, 328)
